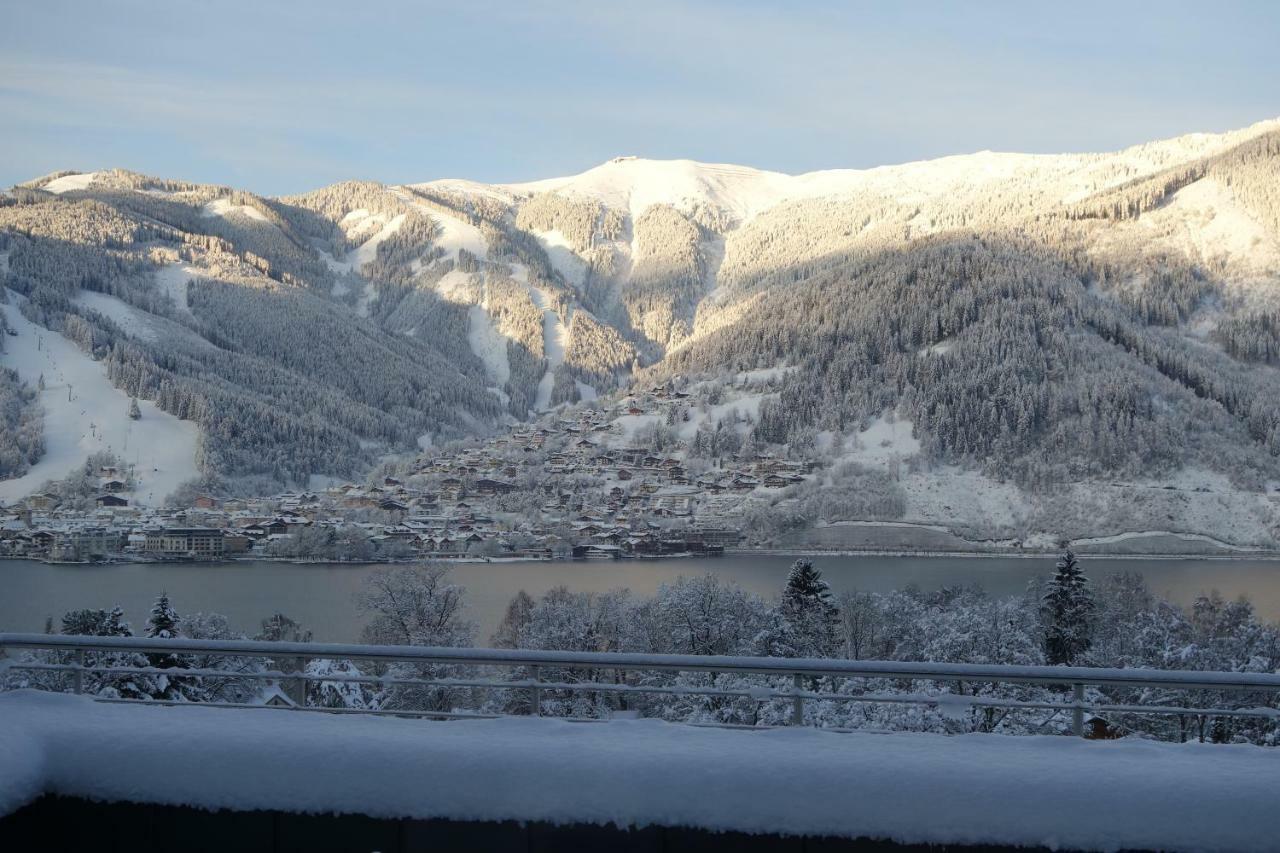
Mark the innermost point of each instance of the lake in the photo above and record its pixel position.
(322, 597)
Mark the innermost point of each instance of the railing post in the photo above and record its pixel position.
(77, 680)
(537, 691)
(297, 689)
(1077, 709)
(797, 702)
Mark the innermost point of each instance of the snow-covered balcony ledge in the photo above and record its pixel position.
(909, 788)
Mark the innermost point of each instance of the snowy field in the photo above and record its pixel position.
(68, 183)
(224, 208)
(175, 280)
(135, 322)
(1059, 792)
(84, 414)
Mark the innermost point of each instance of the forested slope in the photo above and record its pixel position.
(1041, 319)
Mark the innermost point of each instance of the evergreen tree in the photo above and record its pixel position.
(134, 412)
(1067, 610)
(806, 622)
(107, 623)
(163, 625)
(96, 623)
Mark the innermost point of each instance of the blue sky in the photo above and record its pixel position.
(281, 97)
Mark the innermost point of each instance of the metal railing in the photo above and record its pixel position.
(792, 672)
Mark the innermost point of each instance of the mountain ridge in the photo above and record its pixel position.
(1136, 293)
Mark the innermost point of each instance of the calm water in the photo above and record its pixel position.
(321, 597)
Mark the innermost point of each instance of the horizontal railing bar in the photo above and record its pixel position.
(626, 661)
(444, 715)
(757, 694)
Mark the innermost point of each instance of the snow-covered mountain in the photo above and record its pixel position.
(1038, 320)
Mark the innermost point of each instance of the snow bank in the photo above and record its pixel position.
(84, 413)
(914, 788)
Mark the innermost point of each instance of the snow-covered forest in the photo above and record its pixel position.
(1041, 320)
(1062, 618)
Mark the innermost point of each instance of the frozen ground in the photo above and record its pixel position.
(84, 413)
(1059, 792)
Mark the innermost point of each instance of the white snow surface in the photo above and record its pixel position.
(489, 345)
(368, 250)
(562, 257)
(633, 184)
(174, 279)
(882, 442)
(458, 234)
(84, 413)
(224, 208)
(555, 338)
(67, 183)
(135, 322)
(1059, 792)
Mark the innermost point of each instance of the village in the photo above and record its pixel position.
(609, 479)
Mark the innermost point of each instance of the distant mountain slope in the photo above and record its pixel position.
(1041, 318)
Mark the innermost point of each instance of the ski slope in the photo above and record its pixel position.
(85, 414)
(555, 338)
(68, 183)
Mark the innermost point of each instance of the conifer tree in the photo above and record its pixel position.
(1067, 610)
(808, 622)
(134, 412)
(163, 625)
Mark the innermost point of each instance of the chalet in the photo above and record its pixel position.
(42, 500)
(205, 502)
(112, 485)
(487, 486)
(41, 542)
(110, 500)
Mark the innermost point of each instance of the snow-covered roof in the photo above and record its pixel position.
(1054, 791)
